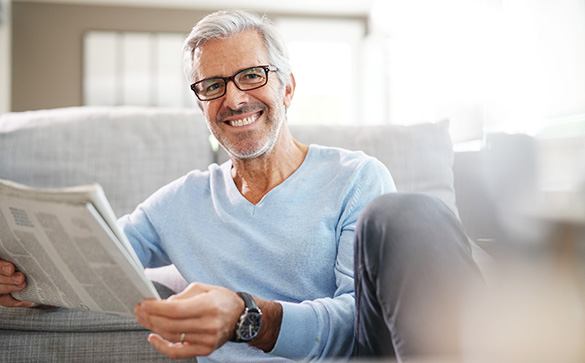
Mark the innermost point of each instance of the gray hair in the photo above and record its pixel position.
(224, 24)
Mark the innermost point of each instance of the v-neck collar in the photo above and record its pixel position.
(236, 196)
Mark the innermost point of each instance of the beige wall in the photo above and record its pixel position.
(47, 46)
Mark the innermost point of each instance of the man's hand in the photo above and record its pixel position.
(11, 281)
(207, 315)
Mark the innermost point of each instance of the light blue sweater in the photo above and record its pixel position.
(295, 246)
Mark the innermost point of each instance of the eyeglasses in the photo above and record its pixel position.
(246, 80)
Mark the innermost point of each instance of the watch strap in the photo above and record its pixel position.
(248, 301)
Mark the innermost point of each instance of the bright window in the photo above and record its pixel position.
(325, 60)
(134, 68)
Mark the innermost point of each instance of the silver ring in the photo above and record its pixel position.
(182, 338)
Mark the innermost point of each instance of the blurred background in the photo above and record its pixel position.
(486, 65)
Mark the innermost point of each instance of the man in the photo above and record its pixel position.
(267, 238)
(276, 221)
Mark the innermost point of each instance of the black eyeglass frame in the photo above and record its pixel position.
(232, 78)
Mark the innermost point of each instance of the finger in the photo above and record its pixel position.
(154, 306)
(175, 309)
(7, 288)
(195, 338)
(179, 350)
(206, 300)
(16, 278)
(9, 301)
(194, 288)
(170, 328)
(6, 268)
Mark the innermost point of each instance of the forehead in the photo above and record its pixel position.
(224, 57)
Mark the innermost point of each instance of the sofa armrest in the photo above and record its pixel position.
(476, 207)
(64, 335)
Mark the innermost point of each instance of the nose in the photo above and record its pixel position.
(234, 97)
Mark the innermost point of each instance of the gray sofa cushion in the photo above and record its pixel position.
(130, 151)
(63, 347)
(419, 157)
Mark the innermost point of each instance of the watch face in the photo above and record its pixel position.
(250, 326)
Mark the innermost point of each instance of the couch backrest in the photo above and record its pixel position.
(130, 151)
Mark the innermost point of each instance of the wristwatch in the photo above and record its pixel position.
(248, 325)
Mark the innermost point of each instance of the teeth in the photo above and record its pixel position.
(245, 121)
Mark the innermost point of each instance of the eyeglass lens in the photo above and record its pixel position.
(246, 79)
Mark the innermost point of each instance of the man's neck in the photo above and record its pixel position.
(256, 177)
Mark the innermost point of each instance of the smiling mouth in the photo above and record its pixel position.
(244, 121)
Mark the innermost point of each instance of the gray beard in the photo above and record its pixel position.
(263, 150)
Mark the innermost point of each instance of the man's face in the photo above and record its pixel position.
(246, 123)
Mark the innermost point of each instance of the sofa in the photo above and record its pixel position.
(132, 151)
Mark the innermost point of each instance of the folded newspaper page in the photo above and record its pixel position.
(68, 245)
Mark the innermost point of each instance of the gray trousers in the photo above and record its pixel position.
(413, 269)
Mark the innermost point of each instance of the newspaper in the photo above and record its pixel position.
(68, 245)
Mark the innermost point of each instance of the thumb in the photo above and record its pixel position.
(194, 289)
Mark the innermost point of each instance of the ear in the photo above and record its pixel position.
(289, 91)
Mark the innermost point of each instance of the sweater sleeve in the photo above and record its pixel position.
(144, 238)
(142, 231)
(324, 328)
